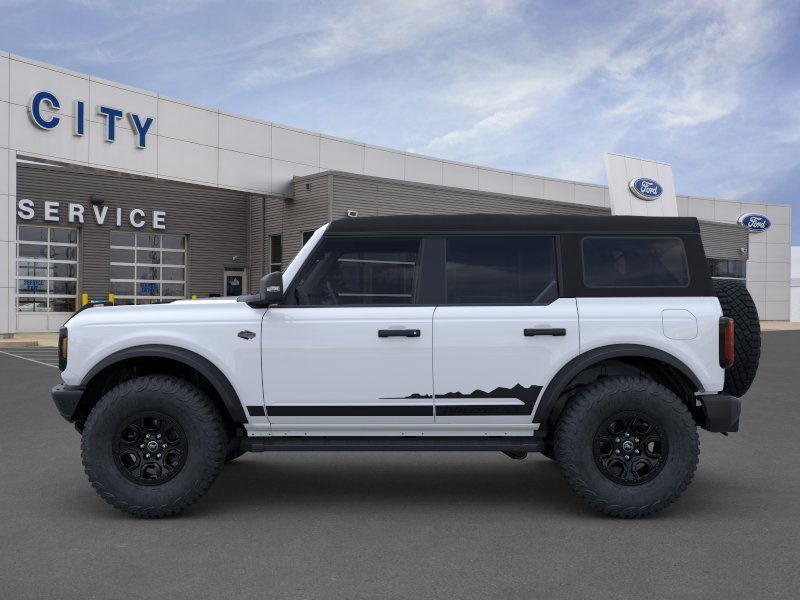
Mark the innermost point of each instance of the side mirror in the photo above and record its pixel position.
(270, 291)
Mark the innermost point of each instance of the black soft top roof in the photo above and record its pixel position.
(502, 222)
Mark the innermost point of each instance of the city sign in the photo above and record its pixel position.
(45, 106)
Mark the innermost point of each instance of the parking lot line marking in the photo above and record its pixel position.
(30, 359)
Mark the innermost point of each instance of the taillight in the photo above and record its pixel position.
(726, 325)
(62, 348)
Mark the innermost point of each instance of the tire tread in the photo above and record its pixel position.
(737, 303)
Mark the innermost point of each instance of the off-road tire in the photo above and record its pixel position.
(186, 405)
(737, 304)
(586, 413)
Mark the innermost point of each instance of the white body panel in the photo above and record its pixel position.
(206, 327)
(324, 371)
(332, 358)
(640, 321)
(478, 349)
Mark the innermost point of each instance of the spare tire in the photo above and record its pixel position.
(737, 304)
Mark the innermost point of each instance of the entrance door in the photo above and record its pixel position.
(234, 282)
(353, 347)
(503, 331)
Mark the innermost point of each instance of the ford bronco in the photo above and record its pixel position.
(601, 342)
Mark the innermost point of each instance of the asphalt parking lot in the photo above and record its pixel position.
(402, 525)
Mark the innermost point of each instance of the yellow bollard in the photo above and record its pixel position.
(111, 298)
(84, 299)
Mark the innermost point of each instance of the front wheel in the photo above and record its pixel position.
(153, 445)
(627, 445)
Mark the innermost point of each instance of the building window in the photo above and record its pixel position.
(147, 268)
(275, 253)
(47, 269)
(306, 236)
(727, 269)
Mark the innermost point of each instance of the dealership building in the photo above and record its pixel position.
(107, 189)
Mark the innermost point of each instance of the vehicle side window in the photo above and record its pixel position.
(634, 262)
(365, 271)
(501, 270)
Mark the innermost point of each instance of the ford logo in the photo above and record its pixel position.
(754, 222)
(646, 189)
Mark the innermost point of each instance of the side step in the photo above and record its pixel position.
(350, 444)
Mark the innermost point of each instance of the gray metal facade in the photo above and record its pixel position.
(214, 220)
(227, 229)
(331, 194)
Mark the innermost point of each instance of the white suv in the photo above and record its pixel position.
(601, 342)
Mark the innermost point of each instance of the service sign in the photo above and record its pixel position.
(754, 222)
(645, 189)
(100, 214)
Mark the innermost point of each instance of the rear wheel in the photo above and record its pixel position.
(627, 445)
(153, 445)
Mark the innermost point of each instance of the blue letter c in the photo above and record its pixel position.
(36, 110)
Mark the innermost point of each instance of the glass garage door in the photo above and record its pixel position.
(47, 269)
(147, 268)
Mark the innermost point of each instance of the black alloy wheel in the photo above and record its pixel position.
(630, 448)
(150, 448)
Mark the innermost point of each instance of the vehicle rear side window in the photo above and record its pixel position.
(617, 262)
(501, 270)
(345, 272)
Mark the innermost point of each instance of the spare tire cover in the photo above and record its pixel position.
(737, 304)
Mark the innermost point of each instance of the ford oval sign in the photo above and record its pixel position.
(754, 222)
(646, 189)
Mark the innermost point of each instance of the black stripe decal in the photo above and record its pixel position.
(453, 410)
(350, 411)
(255, 411)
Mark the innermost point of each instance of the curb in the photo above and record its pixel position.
(11, 344)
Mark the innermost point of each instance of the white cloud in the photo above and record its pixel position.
(365, 28)
(498, 123)
(673, 66)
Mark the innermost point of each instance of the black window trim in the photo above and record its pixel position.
(657, 236)
(569, 266)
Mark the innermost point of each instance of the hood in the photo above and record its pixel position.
(201, 310)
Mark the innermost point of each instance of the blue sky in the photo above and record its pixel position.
(539, 87)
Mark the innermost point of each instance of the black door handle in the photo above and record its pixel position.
(556, 331)
(399, 333)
